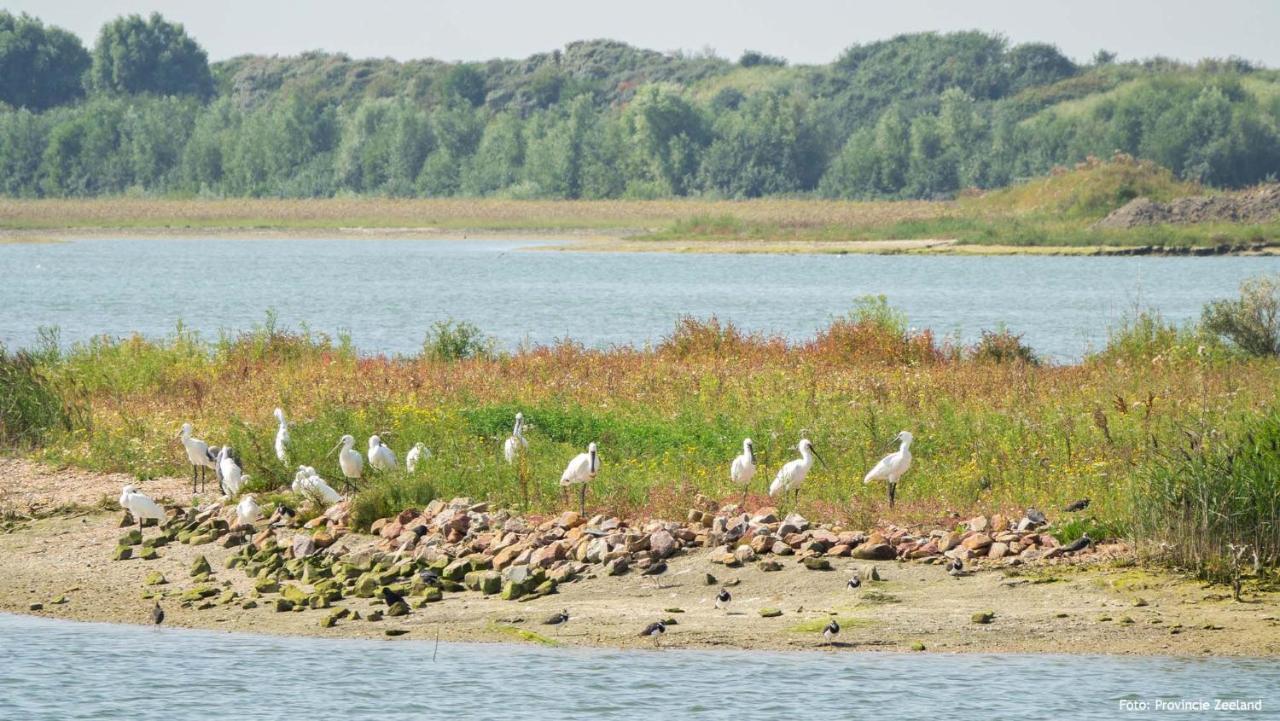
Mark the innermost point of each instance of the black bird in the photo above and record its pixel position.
(1079, 505)
(955, 567)
(157, 614)
(831, 631)
(1036, 517)
(1079, 544)
(655, 570)
(430, 577)
(391, 598)
(723, 598)
(854, 582)
(282, 516)
(654, 631)
(558, 620)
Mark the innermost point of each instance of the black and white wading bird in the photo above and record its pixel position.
(830, 632)
(1077, 545)
(558, 620)
(854, 583)
(157, 614)
(581, 469)
(723, 598)
(1079, 505)
(654, 631)
(199, 454)
(893, 466)
(743, 468)
(955, 567)
(655, 570)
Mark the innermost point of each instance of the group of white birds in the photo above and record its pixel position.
(582, 469)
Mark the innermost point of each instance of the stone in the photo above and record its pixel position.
(709, 580)
(616, 567)
(744, 554)
(983, 617)
(283, 604)
(661, 544)
(917, 646)
(872, 551)
(976, 542)
(569, 519)
(374, 616)
(148, 553)
(793, 523)
(998, 550)
(456, 570)
(132, 538)
(266, 585)
(293, 593)
(762, 543)
(999, 523)
(814, 563)
(782, 549)
(393, 632)
(249, 604)
(35, 607)
(770, 612)
(549, 554)
(947, 541)
(200, 565)
(155, 578)
(839, 550)
(869, 572)
(122, 553)
(512, 590)
(302, 545)
(769, 566)
(765, 515)
(399, 608)
(978, 524)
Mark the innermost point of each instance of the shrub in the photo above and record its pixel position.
(388, 496)
(1252, 323)
(1003, 346)
(450, 340)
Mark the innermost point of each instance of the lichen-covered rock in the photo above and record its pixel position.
(122, 553)
(366, 585)
(132, 538)
(266, 585)
(399, 608)
(283, 604)
(770, 612)
(293, 593)
(616, 567)
(770, 566)
(983, 617)
(148, 553)
(512, 590)
(155, 578)
(814, 563)
(200, 565)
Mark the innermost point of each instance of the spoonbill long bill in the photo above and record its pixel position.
(743, 468)
(282, 437)
(247, 511)
(230, 476)
(893, 466)
(416, 455)
(349, 460)
(516, 444)
(199, 455)
(791, 476)
(140, 505)
(381, 457)
(580, 470)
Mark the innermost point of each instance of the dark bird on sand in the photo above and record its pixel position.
(391, 597)
(854, 583)
(654, 631)
(430, 577)
(655, 570)
(557, 620)
(157, 614)
(1079, 505)
(723, 598)
(1036, 517)
(1079, 544)
(831, 631)
(955, 567)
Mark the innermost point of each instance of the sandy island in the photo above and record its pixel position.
(61, 559)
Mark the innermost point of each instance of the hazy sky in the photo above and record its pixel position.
(803, 31)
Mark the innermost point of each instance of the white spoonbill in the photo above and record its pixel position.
(306, 482)
(516, 444)
(247, 511)
(416, 455)
(743, 468)
(199, 455)
(893, 466)
(282, 437)
(381, 457)
(230, 476)
(140, 506)
(349, 459)
(791, 476)
(581, 469)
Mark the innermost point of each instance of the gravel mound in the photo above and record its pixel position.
(1255, 205)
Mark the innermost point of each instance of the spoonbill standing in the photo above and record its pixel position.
(893, 466)
(581, 469)
(282, 437)
(349, 460)
(381, 457)
(791, 476)
(516, 444)
(743, 468)
(230, 476)
(140, 506)
(307, 482)
(416, 455)
(199, 455)
(247, 511)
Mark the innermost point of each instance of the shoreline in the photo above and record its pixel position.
(626, 241)
(1103, 603)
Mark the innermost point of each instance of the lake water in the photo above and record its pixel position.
(387, 292)
(62, 670)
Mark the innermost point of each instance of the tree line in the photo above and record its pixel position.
(917, 116)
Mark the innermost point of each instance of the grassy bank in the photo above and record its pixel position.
(995, 429)
(1057, 211)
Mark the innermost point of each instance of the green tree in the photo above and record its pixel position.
(40, 67)
(498, 159)
(667, 135)
(134, 55)
(464, 81)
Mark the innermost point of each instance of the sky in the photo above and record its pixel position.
(803, 31)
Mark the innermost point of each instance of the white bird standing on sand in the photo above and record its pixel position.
(306, 482)
(381, 457)
(230, 476)
(893, 466)
(140, 505)
(581, 469)
(199, 455)
(416, 455)
(791, 476)
(247, 511)
(516, 444)
(349, 459)
(743, 468)
(282, 437)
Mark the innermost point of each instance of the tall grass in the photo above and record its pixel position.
(31, 406)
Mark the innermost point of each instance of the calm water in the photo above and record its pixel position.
(386, 293)
(63, 670)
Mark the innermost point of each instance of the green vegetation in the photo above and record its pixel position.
(916, 116)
